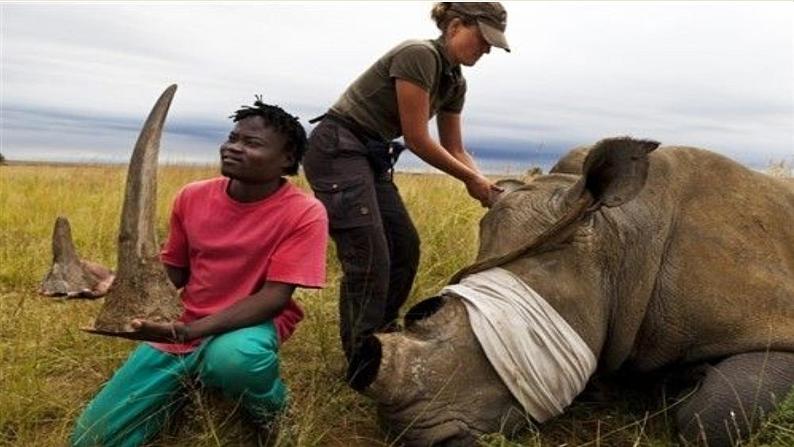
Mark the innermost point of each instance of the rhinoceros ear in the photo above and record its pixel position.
(615, 170)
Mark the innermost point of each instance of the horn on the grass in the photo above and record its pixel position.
(141, 288)
(67, 276)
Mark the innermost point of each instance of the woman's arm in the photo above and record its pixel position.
(413, 104)
(451, 137)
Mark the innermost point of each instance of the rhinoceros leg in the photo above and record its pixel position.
(734, 396)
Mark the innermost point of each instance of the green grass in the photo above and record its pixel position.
(49, 369)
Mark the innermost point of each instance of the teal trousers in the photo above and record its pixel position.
(134, 405)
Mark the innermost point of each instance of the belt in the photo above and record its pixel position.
(363, 135)
(381, 154)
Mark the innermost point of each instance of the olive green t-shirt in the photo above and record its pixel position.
(371, 100)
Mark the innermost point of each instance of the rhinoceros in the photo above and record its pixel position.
(640, 259)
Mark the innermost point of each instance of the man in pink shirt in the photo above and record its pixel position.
(237, 246)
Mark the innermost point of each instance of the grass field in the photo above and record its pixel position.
(49, 369)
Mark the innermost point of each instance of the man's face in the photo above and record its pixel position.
(254, 153)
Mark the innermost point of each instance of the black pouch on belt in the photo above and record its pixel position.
(381, 154)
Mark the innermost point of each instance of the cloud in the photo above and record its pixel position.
(78, 79)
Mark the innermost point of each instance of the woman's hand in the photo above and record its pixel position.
(482, 189)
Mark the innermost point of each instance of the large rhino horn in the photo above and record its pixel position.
(137, 241)
(141, 289)
(69, 276)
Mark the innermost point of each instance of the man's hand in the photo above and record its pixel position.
(169, 332)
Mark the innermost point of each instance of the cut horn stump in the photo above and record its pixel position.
(69, 276)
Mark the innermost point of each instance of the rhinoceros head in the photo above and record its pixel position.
(432, 381)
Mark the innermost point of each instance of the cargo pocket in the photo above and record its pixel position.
(349, 202)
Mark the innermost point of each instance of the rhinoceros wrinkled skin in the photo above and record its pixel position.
(656, 258)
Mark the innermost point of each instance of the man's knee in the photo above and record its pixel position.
(238, 360)
(244, 366)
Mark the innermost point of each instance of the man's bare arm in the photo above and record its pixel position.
(251, 310)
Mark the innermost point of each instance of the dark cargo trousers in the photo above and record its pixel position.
(376, 241)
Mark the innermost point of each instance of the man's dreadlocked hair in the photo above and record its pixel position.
(282, 122)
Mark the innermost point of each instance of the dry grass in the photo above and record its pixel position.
(781, 168)
(49, 369)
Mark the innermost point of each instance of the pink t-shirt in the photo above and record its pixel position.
(233, 248)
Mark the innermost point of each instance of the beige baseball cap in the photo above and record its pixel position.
(491, 17)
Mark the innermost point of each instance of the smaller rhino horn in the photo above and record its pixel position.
(67, 276)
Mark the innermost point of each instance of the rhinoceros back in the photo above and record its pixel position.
(725, 280)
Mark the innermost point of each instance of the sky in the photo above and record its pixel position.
(78, 79)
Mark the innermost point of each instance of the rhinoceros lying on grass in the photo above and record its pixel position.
(676, 257)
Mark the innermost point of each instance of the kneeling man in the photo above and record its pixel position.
(237, 246)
